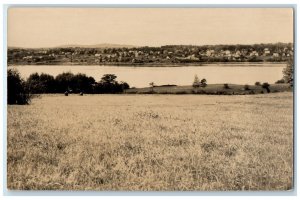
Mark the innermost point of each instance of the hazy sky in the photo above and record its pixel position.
(49, 27)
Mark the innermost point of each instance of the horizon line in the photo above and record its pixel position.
(136, 46)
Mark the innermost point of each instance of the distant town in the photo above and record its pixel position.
(169, 54)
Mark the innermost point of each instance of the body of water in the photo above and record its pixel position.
(241, 73)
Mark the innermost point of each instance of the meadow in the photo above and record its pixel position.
(151, 143)
(211, 89)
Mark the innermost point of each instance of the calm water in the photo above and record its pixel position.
(244, 73)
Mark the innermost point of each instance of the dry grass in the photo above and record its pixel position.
(152, 142)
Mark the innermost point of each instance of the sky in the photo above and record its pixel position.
(51, 27)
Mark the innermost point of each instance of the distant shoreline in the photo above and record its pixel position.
(150, 64)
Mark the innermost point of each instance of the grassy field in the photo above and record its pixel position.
(212, 89)
(151, 142)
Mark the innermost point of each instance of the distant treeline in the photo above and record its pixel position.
(20, 91)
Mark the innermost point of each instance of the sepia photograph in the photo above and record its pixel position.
(150, 98)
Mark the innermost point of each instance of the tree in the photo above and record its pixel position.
(83, 83)
(196, 82)
(64, 82)
(108, 79)
(43, 83)
(34, 84)
(288, 72)
(203, 82)
(17, 91)
(48, 83)
(257, 83)
(152, 86)
(124, 85)
(226, 86)
(108, 84)
(266, 86)
(246, 87)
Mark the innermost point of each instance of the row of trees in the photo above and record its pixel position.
(21, 91)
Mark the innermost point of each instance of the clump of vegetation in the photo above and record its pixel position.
(281, 81)
(266, 86)
(17, 90)
(43, 83)
(109, 84)
(226, 86)
(257, 83)
(152, 87)
(288, 72)
(203, 83)
(67, 81)
(196, 82)
(246, 87)
(70, 83)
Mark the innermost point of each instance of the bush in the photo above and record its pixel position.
(257, 83)
(196, 82)
(288, 72)
(280, 81)
(266, 86)
(17, 90)
(203, 83)
(226, 86)
(246, 87)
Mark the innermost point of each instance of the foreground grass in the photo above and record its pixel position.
(151, 142)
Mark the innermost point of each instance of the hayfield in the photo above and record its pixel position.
(151, 142)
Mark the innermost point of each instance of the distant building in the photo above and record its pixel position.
(267, 52)
(210, 52)
(237, 54)
(254, 53)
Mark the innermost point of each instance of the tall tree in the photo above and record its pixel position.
(288, 72)
(17, 91)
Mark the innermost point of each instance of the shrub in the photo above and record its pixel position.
(266, 86)
(280, 81)
(226, 86)
(246, 87)
(196, 82)
(203, 83)
(288, 72)
(257, 83)
(17, 90)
